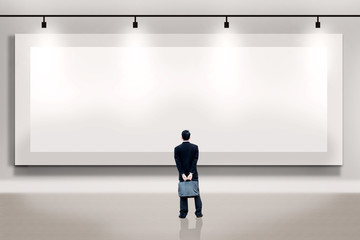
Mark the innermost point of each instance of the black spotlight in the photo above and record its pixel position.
(43, 24)
(317, 24)
(226, 23)
(135, 23)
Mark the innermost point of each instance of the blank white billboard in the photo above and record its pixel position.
(138, 99)
(105, 100)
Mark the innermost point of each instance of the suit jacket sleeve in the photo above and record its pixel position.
(178, 161)
(194, 162)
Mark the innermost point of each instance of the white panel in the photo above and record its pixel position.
(138, 99)
(124, 99)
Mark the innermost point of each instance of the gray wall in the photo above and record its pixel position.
(349, 27)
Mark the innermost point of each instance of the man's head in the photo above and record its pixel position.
(185, 135)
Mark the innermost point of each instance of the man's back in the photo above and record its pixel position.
(186, 157)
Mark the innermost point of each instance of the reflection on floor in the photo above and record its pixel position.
(190, 233)
(155, 216)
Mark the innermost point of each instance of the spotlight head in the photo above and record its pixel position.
(43, 24)
(135, 23)
(317, 24)
(226, 23)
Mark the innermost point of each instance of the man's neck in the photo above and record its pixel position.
(186, 141)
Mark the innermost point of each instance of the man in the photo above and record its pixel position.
(186, 156)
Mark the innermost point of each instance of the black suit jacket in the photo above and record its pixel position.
(186, 156)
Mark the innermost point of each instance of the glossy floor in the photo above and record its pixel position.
(155, 216)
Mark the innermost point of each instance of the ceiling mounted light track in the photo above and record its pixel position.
(226, 23)
(174, 15)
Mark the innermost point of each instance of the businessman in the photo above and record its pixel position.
(186, 156)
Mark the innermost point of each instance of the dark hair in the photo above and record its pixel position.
(185, 134)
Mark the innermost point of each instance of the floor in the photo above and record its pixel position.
(118, 216)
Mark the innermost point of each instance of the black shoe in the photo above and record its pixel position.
(182, 216)
(199, 216)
